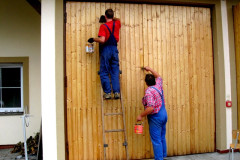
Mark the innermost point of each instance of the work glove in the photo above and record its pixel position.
(90, 40)
(102, 19)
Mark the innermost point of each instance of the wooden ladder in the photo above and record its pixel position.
(114, 130)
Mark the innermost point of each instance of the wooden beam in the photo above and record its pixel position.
(36, 4)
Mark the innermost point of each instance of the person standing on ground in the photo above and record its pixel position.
(109, 60)
(156, 113)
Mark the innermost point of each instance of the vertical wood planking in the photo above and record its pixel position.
(83, 81)
(186, 79)
(98, 89)
(89, 11)
(182, 81)
(94, 21)
(131, 63)
(74, 78)
(206, 73)
(154, 38)
(159, 32)
(100, 138)
(168, 98)
(128, 77)
(211, 81)
(174, 40)
(141, 86)
(177, 81)
(199, 75)
(202, 80)
(136, 72)
(69, 79)
(189, 75)
(206, 114)
(79, 71)
(120, 15)
(173, 79)
(137, 78)
(194, 82)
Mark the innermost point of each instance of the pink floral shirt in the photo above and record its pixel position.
(152, 98)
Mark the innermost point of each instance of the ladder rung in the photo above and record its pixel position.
(111, 99)
(105, 145)
(120, 72)
(115, 130)
(111, 114)
(125, 143)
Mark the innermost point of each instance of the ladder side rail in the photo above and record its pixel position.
(124, 123)
(103, 126)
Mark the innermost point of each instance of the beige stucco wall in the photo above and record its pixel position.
(230, 4)
(20, 37)
(219, 72)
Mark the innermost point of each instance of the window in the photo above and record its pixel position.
(11, 87)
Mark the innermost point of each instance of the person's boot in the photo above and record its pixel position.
(107, 96)
(116, 95)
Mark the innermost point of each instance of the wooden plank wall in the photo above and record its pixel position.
(174, 40)
(236, 11)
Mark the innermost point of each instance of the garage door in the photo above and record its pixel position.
(174, 40)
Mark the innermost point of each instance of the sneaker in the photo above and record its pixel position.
(116, 95)
(107, 96)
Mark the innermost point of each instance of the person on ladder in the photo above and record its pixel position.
(156, 113)
(109, 60)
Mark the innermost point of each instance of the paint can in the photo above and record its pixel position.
(138, 128)
(89, 48)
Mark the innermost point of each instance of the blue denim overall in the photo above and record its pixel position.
(109, 63)
(157, 128)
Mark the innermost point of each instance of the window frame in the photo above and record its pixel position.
(13, 109)
(25, 75)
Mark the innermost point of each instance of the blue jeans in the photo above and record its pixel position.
(109, 65)
(157, 128)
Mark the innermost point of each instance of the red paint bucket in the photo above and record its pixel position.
(138, 128)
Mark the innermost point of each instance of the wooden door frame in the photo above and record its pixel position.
(238, 91)
(217, 49)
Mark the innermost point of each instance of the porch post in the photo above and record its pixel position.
(52, 81)
(227, 70)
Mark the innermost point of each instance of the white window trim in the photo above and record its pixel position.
(19, 109)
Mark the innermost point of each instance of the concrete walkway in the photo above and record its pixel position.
(206, 156)
(5, 154)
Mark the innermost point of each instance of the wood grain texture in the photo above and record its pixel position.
(174, 40)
